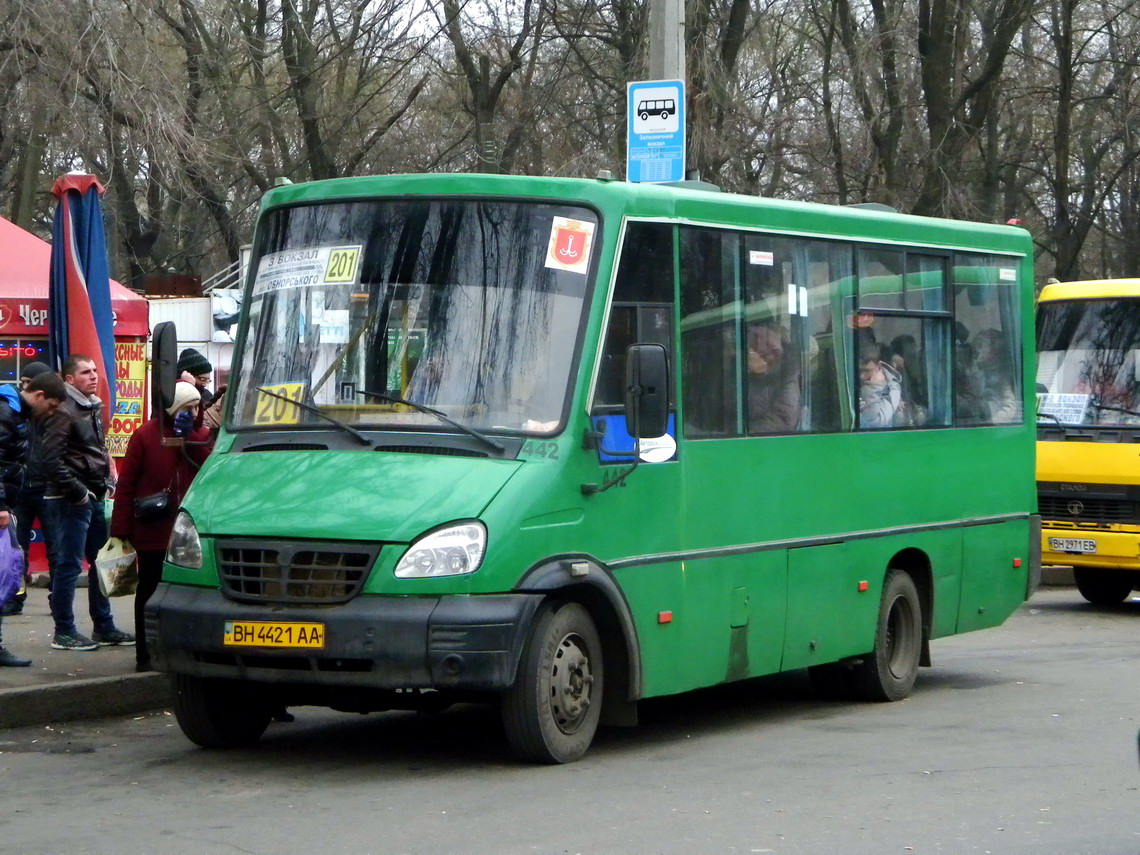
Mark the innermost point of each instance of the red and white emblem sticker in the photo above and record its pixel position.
(569, 244)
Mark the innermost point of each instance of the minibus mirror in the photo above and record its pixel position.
(164, 365)
(646, 390)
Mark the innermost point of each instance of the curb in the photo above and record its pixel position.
(96, 697)
(1059, 575)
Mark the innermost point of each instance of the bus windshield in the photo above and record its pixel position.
(1088, 367)
(471, 308)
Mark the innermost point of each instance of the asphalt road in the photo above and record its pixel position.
(1021, 739)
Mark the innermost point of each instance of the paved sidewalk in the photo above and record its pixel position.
(66, 685)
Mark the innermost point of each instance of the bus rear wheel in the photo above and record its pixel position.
(551, 712)
(219, 713)
(1103, 587)
(889, 672)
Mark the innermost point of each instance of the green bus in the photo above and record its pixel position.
(562, 445)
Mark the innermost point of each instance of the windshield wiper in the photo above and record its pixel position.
(316, 411)
(396, 399)
(1049, 416)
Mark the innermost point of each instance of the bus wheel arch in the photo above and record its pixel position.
(889, 671)
(552, 709)
(916, 564)
(600, 595)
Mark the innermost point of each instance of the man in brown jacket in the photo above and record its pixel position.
(77, 471)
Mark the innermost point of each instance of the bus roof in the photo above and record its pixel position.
(1090, 289)
(684, 201)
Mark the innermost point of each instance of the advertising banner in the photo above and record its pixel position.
(130, 386)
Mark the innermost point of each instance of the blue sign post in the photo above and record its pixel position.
(655, 145)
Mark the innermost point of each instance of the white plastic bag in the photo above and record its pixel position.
(117, 567)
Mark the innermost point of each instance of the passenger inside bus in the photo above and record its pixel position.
(773, 381)
(880, 389)
(998, 396)
(907, 360)
(968, 405)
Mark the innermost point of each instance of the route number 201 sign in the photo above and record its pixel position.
(272, 410)
(308, 268)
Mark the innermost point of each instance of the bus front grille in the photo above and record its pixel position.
(1069, 509)
(295, 573)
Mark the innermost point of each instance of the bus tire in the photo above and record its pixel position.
(889, 672)
(1103, 587)
(551, 712)
(218, 713)
(644, 115)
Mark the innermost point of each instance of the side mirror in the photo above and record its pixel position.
(163, 365)
(646, 390)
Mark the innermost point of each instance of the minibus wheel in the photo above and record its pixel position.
(551, 712)
(1103, 587)
(219, 713)
(889, 672)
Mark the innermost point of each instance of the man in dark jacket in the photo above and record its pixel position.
(77, 472)
(28, 502)
(20, 411)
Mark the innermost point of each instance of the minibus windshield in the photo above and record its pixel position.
(1088, 362)
(471, 308)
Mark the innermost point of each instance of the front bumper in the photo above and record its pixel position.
(447, 642)
(1115, 549)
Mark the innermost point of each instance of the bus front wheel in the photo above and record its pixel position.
(1103, 587)
(551, 712)
(219, 713)
(888, 673)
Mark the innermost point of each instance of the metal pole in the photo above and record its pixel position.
(667, 40)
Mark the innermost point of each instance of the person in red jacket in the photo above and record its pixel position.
(153, 464)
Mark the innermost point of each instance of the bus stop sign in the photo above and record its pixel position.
(655, 143)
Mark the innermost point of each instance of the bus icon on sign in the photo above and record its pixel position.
(664, 108)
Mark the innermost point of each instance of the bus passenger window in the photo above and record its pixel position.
(759, 356)
(902, 340)
(917, 351)
(773, 355)
(642, 308)
(710, 333)
(880, 279)
(987, 341)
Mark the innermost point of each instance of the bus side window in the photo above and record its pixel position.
(711, 364)
(642, 308)
(758, 356)
(902, 340)
(987, 341)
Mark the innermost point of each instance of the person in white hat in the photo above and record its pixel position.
(153, 467)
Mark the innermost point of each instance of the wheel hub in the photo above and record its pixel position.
(899, 639)
(571, 682)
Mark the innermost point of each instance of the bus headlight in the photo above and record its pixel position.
(184, 548)
(451, 551)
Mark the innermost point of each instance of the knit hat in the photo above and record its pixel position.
(185, 394)
(194, 362)
(33, 369)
